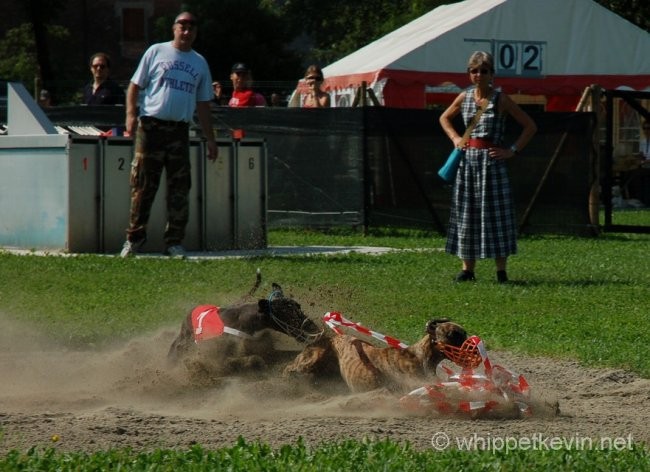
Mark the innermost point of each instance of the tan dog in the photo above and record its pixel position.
(365, 367)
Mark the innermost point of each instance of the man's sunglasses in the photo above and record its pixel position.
(187, 24)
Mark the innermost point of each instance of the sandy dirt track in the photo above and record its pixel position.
(127, 397)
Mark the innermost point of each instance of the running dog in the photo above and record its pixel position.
(365, 367)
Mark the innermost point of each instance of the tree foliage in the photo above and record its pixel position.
(635, 11)
(35, 49)
(277, 38)
(338, 27)
(19, 47)
(335, 28)
(18, 44)
(249, 31)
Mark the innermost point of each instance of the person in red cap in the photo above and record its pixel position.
(242, 94)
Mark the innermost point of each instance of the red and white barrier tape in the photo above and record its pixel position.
(472, 391)
(458, 390)
(336, 321)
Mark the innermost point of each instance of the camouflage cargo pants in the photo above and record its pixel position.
(160, 145)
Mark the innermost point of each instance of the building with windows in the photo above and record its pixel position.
(121, 28)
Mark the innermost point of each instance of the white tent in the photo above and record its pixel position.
(547, 50)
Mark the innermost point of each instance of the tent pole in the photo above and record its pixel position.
(362, 94)
(595, 160)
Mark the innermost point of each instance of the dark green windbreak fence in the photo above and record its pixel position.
(378, 166)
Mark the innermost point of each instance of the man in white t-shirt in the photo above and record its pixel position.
(175, 81)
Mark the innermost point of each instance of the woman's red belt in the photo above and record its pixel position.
(479, 143)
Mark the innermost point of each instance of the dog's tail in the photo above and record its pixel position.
(258, 282)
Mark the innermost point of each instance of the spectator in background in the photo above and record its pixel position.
(44, 99)
(644, 142)
(242, 93)
(219, 98)
(315, 97)
(277, 101)
(102, 90)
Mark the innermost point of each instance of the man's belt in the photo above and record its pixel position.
(151, 119)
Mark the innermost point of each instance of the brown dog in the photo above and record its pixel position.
(365, 367)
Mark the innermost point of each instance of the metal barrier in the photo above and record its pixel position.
(70, 192)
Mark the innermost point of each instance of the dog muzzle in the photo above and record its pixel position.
(466, 356)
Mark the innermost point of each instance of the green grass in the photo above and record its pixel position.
(578, 298)
(629, 216)
(348, 455)
(583, 298)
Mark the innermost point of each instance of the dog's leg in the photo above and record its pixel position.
(318, 358)
(183, 342)
(359, 374)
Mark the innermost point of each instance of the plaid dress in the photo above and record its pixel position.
(482, 222)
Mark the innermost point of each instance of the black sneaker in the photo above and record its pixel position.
(502, 277)
(465, 276)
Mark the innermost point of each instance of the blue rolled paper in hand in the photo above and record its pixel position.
(448, 171)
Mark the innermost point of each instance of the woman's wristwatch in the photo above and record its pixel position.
(514, 149)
